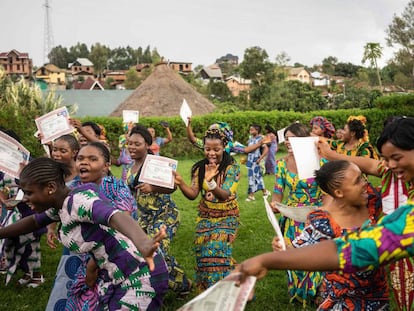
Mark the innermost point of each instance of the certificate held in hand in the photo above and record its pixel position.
(54, 124)
(158, 171)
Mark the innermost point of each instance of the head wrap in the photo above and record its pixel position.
(325, 125)
(225, 128)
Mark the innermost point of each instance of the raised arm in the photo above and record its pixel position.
(367, 165)
(169, 137)
(190, 135)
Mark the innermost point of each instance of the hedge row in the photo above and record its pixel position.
(240, 121)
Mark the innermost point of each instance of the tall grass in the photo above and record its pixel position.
(254, 237)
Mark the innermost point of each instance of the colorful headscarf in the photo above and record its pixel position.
(225, 128)
(325, 125)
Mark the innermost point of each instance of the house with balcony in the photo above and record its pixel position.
(81, 67)
(52, 75)
(16, 63)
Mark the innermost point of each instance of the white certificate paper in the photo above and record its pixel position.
(306, 155)
(185, 112)
(224, 295)
(272, 218)
(130, 116)
(281, 135)
(12, 153)
(158, 171)
(297, 213)
(54, 124)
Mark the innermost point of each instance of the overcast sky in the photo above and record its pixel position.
(200, 31)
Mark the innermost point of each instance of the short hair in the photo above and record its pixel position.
(331, 175)
(143, 131)
(400, 133)
(71, 140)
(298, 129)
(94, 126)
(357, 127)
(43, 170)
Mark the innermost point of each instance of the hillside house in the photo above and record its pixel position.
(16, 63)
(298, 74)
(181, 67)
(52, 75)
(212, 72)
(237, 84)
(81, 67)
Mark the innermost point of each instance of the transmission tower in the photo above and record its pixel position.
(48, 34)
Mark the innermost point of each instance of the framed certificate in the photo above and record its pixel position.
(130, 116)
(158, 171)
(12, 153)
(54, 124)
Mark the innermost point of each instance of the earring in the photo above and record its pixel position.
(50, 192)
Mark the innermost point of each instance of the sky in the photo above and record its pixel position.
(200, 31)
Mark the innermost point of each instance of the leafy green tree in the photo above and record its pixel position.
(108, 83)
(155, 56)
(219, 91)
(373, 52)
(146, 57)
(328, 65)
(401, 33)
(60, 56)
(282, 59)
(132, 79)
(99, 57)
(121, 58)
(80, 50)
(348, 70)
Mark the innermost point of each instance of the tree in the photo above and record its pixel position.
(80, 50)
(401, 33)
(146, 57)
(132, 79)
(328, 65)
(372, 52)
(155, 56)
(59, 56)
(99, 57)
(282, 59)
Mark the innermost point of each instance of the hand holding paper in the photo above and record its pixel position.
(185, 112)
(274, 222)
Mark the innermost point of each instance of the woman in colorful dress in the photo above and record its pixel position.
(354, 140)
(270, 163)
(156, 208)
(348, 210)
(216, 177)
(254, 167)
(395, 192)
(22, 251)
(302, 286)
(89, 224)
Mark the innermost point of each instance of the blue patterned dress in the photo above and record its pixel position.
(254, 170)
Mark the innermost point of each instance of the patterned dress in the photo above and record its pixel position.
(85, 218)
(349, 291)
(270, 163)
(216, 229)
(302, 286)
(394, 194)
(22, 251)
(154, 211)
(254, 170)
(389, 241)
(362, 149)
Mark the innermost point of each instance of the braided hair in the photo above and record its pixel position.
(331, 175)
(200, 166)
(43, 170)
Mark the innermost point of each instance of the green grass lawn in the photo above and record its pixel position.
(254, 237)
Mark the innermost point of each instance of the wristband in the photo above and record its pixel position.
(211, 185)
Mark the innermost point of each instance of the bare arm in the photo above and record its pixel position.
(306, 258)
(25, 225)
(127, 226)
(169, 137)
(189, 192)
(190, 135)
(148, 188)
(367, 165)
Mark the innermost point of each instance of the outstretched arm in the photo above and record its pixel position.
(306, 258)
(25, 225)
(147, 246)
(169, 137)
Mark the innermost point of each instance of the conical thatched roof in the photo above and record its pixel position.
(162, 93)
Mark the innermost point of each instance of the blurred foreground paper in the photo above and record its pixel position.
(130, 116)
(298, 213)
(272, 218)
(224, 295)
(306, 155)
(185, 112)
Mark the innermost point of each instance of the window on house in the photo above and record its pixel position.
(181, 67)
(87, 68)
(18, 67)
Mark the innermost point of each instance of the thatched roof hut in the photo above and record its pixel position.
(162, 93)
